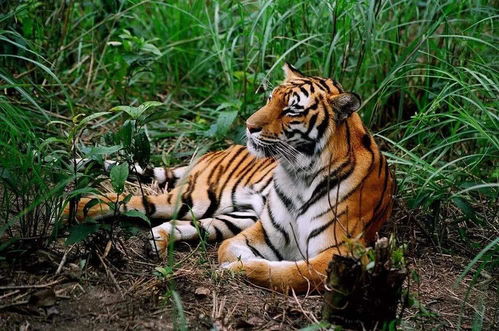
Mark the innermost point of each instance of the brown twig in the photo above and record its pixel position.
(110, 274)
(308, 315)
(16, 287)
(63, 260)
(9, 294)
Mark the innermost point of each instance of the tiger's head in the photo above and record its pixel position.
(299, 116)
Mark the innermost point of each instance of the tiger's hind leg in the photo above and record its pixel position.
(216, 228)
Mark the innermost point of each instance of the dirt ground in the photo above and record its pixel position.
(68, 288)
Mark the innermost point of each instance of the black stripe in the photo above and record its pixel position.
(277, 226)
(266, 171)
(347, 133)
(251, 217)
(215, 167)
(376, 217)
(214, 202)
(186, 197)
(313, 106)
(252, 248)
(369, 171)
(327, 184)
(257, 169)
(170, 178)
(219, 234)
(231, 226)
(267, 183)
(149, 207)
(208, 156)
(203, 234)
(271, 246)
(247, 169)
(324, 84)
(321, 128)
(338, 86)
(186, 206)
(307, 148)
(312, 89)
(284, 198)
(366, 141)
(311, 123)
(297, 97)
(236, 167)
(314, 233)
(304, 91)
(291, 132)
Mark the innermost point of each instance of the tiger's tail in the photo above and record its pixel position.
(166, 177)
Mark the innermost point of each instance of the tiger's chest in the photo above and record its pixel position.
(290, 221)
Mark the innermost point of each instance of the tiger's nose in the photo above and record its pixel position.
(252, 128)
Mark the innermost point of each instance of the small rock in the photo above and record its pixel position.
(52, 311)
(202, 291)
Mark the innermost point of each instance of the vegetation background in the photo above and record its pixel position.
(427, 72)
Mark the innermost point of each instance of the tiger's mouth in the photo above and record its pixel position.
(259, 147)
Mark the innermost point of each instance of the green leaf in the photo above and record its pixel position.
(125, 134)
(127, 198)
(492, 245)
(82, 191)
(89, 118)
(118, 175)
(80, 232)
(137, 214)
(223, 124)
(102, 150)
(150, 48)
(465, 207)
(133, 112)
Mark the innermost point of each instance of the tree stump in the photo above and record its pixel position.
(363, 291)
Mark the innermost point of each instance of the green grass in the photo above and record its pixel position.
(427, 72)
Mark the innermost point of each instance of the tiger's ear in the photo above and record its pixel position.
(344, 105)
(291, 72)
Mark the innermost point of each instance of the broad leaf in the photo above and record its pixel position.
(224, 122)
(80, 232)
(118, 175)
(124, 135)
(102, 150)
(137, 214)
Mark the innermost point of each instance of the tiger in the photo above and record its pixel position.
(310, 179)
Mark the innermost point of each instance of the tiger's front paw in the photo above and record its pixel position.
(160, 240)
(236, 266)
